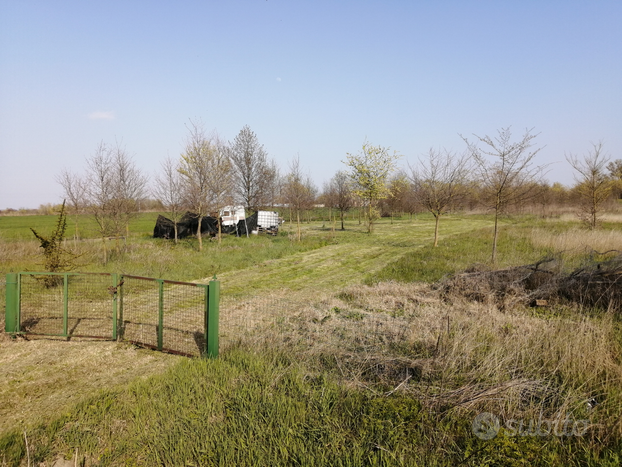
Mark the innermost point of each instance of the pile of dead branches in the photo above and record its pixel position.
(594, 284)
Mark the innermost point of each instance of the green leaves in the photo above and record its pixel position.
(369, 173)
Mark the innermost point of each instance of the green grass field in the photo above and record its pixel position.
(364, 364)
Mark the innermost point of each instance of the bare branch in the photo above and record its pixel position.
(593, 185)
(439, 182)
(506, 172)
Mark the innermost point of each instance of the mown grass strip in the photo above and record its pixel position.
(471, 249)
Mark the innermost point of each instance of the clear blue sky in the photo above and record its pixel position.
(311, 78)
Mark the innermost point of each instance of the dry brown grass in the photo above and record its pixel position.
(578, 240)
(460, 356)
(41, 378)
(14, 252)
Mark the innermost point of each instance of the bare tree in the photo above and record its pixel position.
(298, 192)
(75, 189)
(369, 173)
(130, 187)
(195, 166)
(168, 190)
(508, 179)
(593, 185)
(255, 176)
(338, 194)
(272, 182)
(115, 188)
(220, 180)
(439, 182)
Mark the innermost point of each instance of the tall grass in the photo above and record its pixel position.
(578, 240)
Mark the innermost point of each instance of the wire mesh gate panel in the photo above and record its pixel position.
(67, 305)
(162, 314)
(166, 315)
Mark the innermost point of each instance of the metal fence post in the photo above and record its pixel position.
(160, 314)
(211, 319)
(11, 314)
(115, 294)
(66, 305)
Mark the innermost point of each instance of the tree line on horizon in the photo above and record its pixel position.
(496, 173)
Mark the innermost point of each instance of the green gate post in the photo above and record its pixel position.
(211, 318)
(115, 288)
(11, 314)
(160, 314)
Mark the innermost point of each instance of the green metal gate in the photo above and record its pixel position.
(178, 317)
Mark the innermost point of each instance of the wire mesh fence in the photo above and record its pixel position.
(316, 322)
(68, 305)
(90, 306)
(172, 316)
(41, 307)
(165, 315)
(247, 318)
(184, 327)
(139, 311)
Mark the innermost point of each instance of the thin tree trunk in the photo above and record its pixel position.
(77, 236)
(105, 250)
(437, 218)
(199, 236)
(494, 238)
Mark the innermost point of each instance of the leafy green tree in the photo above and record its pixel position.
(369, 172)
